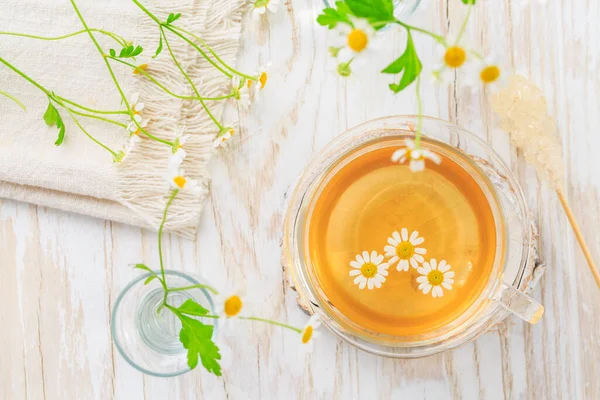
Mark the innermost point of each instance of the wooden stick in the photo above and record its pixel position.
(579, 235)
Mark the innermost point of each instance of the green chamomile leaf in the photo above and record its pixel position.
(332, 16)
(196, 337)
(468, 1)
(172, 18)
(149, 279)
(112, 52)
(52, 118)
(409, 63)
(159, 48)
(373, 10)
(190, 307)
(143, 267)
(137, 51)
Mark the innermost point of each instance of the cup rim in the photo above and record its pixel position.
(304, 194)
(113, 328)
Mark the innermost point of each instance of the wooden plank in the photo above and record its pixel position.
(62, 273)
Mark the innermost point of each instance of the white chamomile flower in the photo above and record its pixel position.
(127, 149)
(261, 81)
(358, 41)
(416, 156)
(260, 7)
(223, 137)
(451, 58)
(178, 154)
(434, 276)
(135, 104)
(135, 128)
(309, 332)
(176, 159)
(140, 68)
(230, 303)
(485, 72)
(179, 181)
(369, 270)
(403, 249)
(241, 91)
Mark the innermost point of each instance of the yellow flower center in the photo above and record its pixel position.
(307, 334)
(405, 250)
(455, 56)
(368, 270)
(180, 181)
(231, 131)
(489, 74)
(263, 80)
(435, 277)
(357, 40)
(249, 83)
(233, 306)
(140, 68)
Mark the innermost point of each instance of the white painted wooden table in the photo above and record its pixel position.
(61, 273)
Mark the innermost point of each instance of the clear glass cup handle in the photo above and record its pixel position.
(519, 303)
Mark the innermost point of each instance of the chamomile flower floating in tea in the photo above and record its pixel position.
(415, 156)
(369, 270)
(260, 7)
(434, 276)
(402, 249)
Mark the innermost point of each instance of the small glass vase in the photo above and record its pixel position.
(146, 334)
(402, 8)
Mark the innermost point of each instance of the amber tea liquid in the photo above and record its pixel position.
(368, 199)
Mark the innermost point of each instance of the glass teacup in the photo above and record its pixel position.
(500, 291)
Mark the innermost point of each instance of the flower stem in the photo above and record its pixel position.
(189, 79)
(438, 38)
(419, 113)
(463, 28)
(293, 328)
(72, 114)
(164, 88)
(198, 38)
(110, 121)
(27, 78)
(13, 98)
(194, 45)
(160, 232)
(91, 109)
(199, 286)
(120, 40)
(113, 77)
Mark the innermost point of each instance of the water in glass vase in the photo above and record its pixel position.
(375, 226)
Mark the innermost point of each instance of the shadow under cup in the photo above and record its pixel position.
(499, 289)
